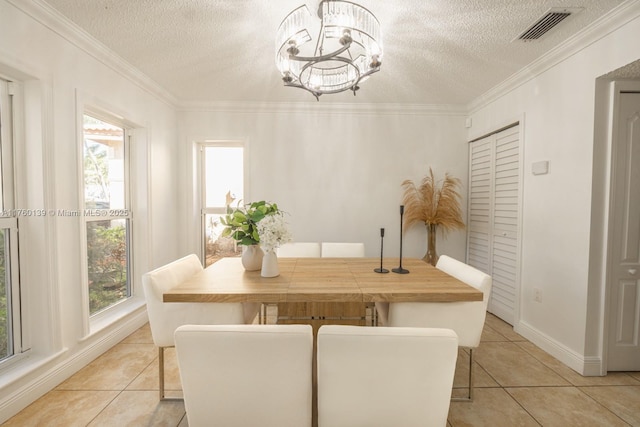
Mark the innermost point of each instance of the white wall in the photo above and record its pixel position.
(59, 79)
(559, 115)
(337, 171)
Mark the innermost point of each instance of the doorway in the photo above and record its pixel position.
(623, 265)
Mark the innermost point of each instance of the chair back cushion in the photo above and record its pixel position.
(164, 318)
(466, 318)
(384, 377)
(467, 274)
(246, 375)
(299, 250)
(342, 250)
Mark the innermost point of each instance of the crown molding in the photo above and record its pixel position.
(68, 30)
(325, 108)
(65, 28)
(616, 18)
(59, 24)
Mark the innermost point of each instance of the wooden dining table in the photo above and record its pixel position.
(323, 280)
(319, 285)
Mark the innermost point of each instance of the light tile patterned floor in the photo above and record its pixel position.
(517, 384)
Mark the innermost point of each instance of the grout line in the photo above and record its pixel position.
(184, 417)
(142, 371)
(523, 408)
(105, 407)
(602, 405)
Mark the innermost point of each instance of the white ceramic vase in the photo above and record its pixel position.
(252, 257)
(270, 264)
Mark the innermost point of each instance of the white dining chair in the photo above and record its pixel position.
(299, 250)
(384, 377)
(466, 318)
(342, 250)
(246, 375)
(164, 318)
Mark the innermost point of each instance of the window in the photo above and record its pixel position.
(106, 213)
(10, 320)
(222, 186)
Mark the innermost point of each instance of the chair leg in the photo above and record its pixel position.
(161, 376)
(374, 316)
(471, 376)
(469, 397)
(161, 371)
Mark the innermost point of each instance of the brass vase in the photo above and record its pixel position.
(431, 256)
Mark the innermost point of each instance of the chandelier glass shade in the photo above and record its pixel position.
(348, 48)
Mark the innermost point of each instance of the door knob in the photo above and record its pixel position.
(632, 271)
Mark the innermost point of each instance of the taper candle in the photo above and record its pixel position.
(381, 269)
(400, 270)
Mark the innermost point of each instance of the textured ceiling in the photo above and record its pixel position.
(435, 51)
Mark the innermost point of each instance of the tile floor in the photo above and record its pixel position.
(517, 384)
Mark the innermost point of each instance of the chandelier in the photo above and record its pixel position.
(348, 49)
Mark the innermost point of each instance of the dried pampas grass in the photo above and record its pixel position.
(433, 202)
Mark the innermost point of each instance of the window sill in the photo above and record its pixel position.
(24, 365)
(108, 317)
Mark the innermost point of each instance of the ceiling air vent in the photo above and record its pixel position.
(547, 21)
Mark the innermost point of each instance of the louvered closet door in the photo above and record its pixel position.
(494, 208)
(480, 210)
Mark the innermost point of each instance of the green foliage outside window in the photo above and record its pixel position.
(107, 264)
(104, 188)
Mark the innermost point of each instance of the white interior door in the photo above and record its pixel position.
(494, 216)
(624, 265)
(480, 217)
(504, 265)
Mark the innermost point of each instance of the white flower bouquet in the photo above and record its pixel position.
(273, 232)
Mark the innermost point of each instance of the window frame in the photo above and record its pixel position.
(204, 209)
(98, 319)
(9, 219)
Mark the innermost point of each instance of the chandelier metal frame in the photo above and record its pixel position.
(349, 32)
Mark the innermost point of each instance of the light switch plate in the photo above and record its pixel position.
(540, 168)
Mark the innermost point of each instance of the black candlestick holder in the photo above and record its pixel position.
(400, 270)
(381, 270)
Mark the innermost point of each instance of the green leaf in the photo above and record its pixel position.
(257, 216)
(247, 241)
(241, 222)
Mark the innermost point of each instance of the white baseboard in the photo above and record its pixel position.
(44, 377)
(593, 367)
(586, 366)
